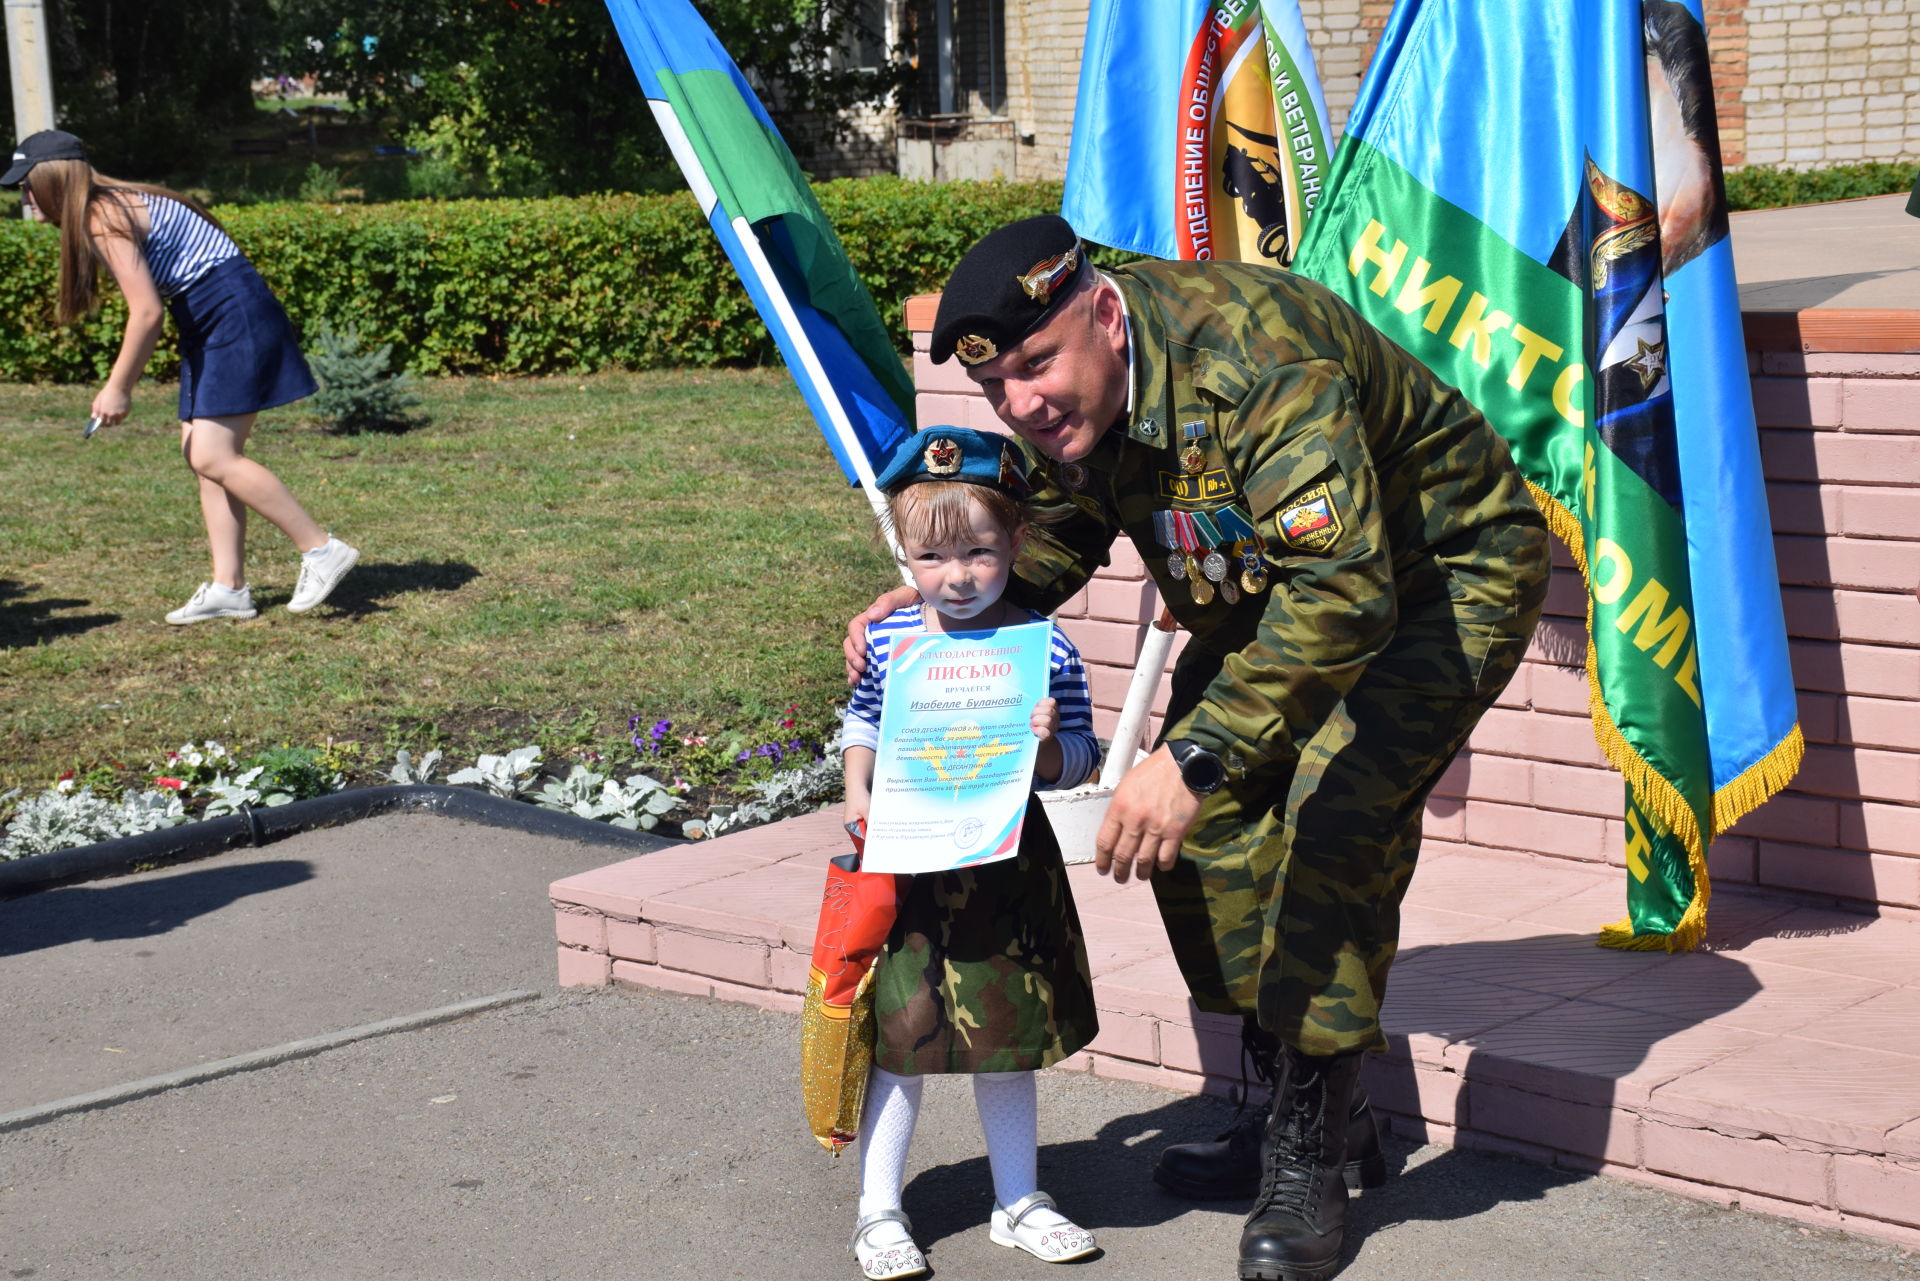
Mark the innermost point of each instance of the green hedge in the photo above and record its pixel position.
(1770, 187)
(522, 286)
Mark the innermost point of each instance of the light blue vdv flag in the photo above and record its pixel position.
(759, 204)
(1199, 131)
(1529, 199)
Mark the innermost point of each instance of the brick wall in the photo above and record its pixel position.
(1840, 440)
(1829, 83)
(1800, 84)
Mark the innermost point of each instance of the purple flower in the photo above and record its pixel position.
(651, 744)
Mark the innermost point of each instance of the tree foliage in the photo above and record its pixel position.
(531, 97)
(147, 82)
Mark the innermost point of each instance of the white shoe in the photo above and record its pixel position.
(885, 1260)
(320, 572)
(1051, 1240)
(211, 600)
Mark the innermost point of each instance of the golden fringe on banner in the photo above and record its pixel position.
(1755, 784)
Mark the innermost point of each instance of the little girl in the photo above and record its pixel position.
(985, 971)
(238, 354)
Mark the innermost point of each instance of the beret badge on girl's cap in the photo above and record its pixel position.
(1041, 279)
(942, 457)
(973, 349)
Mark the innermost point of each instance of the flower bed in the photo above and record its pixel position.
(713, 782)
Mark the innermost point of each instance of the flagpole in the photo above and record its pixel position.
(756, 257)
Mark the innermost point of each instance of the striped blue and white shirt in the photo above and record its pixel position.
(181, 246)
(1067, 684)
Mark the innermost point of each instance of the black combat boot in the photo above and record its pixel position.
(1228, 1168)
(1300, 1214)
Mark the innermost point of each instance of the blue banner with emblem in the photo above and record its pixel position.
(1529, 199)
(1199, 131)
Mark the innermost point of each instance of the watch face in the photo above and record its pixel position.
(1200, 769)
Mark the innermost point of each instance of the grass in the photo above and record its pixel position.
(546, 559)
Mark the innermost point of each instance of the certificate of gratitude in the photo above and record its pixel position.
(957, 750)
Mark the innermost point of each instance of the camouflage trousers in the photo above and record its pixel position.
(1285, 903)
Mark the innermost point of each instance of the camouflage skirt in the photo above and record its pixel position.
(986, 969)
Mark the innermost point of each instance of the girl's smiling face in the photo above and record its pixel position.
(960, 566)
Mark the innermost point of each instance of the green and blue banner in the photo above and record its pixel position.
(759, 204)
(1529, 199)
(1199, 131)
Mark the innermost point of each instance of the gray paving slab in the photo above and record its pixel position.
(114, 980)
(609, 1134)
(1845, 254)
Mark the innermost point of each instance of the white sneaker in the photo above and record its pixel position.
(211, 600)
(320, 572)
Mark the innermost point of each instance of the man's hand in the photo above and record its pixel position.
(854, 648)
(1146, 821)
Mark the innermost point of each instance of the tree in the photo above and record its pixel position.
(527, 97)
(146, 82)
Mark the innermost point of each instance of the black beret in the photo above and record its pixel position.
(1004, 287)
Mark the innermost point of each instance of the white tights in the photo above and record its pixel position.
(1008, 1118)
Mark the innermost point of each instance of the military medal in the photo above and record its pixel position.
(1213, 564)
(1253, 577)
(1229, 591)
(1163, 531)
(1189, 543)
(1238, 528)
(1193, 459)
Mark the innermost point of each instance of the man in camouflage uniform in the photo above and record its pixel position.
(1361, 568)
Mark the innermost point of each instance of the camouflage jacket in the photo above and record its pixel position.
(1375, 490)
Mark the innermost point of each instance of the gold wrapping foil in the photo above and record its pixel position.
(836, 1057)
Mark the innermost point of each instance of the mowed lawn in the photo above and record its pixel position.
(548, 556)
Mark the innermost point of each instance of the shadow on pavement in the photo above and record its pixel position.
(136, 909)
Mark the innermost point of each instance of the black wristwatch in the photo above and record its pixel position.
(1200, 769)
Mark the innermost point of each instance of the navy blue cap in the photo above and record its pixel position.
(48, 144)
(956, 453)
(1004, 287)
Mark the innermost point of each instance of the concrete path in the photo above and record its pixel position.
(1848, 253)
(603, 1134)
(606, 1134)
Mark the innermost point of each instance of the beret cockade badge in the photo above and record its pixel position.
(973, 349)
(942, 457)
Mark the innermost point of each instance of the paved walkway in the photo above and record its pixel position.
(1777, 1069)
(589, 1135)
(1861, 254)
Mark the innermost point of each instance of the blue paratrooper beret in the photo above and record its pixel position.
(956, 453)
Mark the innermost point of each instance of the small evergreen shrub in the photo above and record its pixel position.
(358, 392)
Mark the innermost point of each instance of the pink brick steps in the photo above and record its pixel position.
(1778, 1070)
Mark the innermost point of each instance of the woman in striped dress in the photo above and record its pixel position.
(238, 353)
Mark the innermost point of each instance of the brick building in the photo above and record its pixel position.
(1798, 84)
